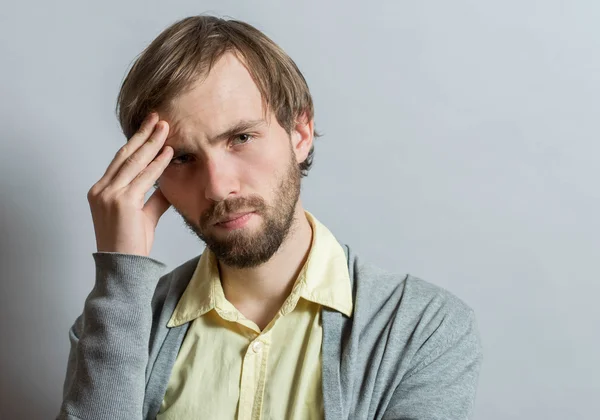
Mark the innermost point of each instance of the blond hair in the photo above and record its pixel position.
(188, 49)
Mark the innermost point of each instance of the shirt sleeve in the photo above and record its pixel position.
(443, 382)
(105, 376)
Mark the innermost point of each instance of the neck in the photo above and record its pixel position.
(259, 292)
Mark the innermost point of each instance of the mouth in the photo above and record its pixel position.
(232, 218)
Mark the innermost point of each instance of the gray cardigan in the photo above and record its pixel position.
(411, 350)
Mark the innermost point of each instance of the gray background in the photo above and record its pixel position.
(460, 145)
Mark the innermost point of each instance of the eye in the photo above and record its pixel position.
(178, 160)
(241, 138)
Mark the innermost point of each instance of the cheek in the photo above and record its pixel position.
(259, 171)
(174, 192)
(272, 156)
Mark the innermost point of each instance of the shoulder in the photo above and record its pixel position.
(413, 303)
(420, 319)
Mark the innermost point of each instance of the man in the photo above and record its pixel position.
(275, 319)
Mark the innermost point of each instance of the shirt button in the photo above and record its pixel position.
(257, 346)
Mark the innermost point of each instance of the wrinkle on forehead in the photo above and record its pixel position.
(226, 95)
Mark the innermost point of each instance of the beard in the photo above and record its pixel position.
(245, 248)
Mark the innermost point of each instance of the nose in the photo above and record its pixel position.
(220, 181)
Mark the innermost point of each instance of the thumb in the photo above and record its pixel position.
(156, 206)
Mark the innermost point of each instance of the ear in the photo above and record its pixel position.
(302, 137)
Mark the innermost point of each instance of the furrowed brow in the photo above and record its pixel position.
(239, 127)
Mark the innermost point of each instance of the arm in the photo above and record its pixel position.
(105, 376)
(443, 383)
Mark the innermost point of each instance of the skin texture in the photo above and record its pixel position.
(253, 169)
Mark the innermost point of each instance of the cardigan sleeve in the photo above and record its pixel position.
(105, 375)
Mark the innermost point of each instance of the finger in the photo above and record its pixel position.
(143, 156)
(156, 206)
(147, 178)
(145, 131)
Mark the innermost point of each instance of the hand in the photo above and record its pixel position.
(122, 222)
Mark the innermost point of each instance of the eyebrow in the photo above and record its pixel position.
(237, 128)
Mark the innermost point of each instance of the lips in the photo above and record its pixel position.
(231, 217)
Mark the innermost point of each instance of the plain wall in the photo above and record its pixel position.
(460, 145)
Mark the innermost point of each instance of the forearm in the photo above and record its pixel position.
(109, 342)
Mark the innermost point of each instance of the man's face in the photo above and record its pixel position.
(214, 178)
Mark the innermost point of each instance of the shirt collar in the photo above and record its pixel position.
(324, 279)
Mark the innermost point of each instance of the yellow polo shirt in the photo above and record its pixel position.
(227, 368)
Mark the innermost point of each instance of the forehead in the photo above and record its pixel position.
(227, 95)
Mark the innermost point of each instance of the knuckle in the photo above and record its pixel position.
(114, 203)
(104, 199)
(123, 151)
(94, 191)
(91, 194)
(109, 199)
(132, 160)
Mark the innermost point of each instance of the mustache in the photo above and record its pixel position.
(233, 205)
